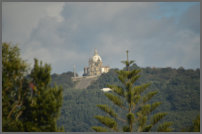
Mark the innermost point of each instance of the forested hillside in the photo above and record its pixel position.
(179, 92)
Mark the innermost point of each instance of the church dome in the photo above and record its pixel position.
(96, 57)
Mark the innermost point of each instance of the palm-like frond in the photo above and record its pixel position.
(157, 117)
(147, 128)
(134, 78)
(145, 109)
(148, 96)
(141, 122)
(136, 99)
(155, 105)
(115, 99)
(118, 90)
(165, 127)
(108, 110)
(107, 121)
(141, 88)
(133, 73)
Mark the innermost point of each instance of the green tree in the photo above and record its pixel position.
(29, 103)
(14, 70)
(129, 97)
(43, 107)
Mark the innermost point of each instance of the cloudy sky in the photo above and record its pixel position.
(156, 34)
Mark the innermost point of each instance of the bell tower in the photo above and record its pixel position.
(95, 52)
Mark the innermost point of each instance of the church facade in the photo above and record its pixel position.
(95, 66)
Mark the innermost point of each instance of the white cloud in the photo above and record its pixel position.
(19, 18)
(66, 34)
(54, 10)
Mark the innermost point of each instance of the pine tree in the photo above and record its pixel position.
(28, 102)
(13, 71)
(129, 97)
(43, 107)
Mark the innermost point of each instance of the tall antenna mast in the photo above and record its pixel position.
(127, 54)
(74, 71)
(127, 62)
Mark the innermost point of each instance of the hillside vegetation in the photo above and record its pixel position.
(32, 98)
(179, 92)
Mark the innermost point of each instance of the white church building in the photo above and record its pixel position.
(95, 66)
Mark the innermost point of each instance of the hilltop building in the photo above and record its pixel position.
(95, 66)
(91, 73)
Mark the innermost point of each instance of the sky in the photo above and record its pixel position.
(157, 34)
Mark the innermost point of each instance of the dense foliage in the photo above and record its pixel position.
(63, 79)
(179, 92)
(29, 103)
(13, 72)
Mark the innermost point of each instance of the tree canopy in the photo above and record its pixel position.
(130, 99)
(29, 103)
